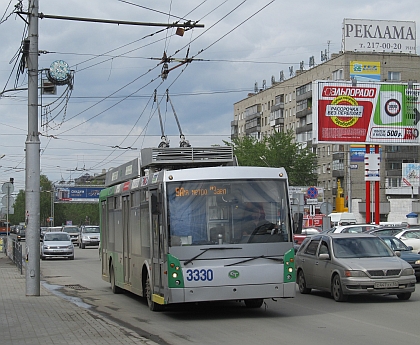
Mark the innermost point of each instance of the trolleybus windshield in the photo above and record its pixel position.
(228, 212)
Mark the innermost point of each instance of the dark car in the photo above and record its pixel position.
(405, 253)
(20, 234)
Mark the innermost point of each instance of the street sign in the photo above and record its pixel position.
(4, 200)
(11, 210)
(7, 188)
(312, 192)
(311, 201)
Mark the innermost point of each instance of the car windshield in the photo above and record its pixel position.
(360, 247)
(56, 237)
(395, 244)
(71, 229)
(91, 229)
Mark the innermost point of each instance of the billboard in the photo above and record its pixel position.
(366, 113)
(363, 35)
(365, 70)
(357, 153)
(411, 174)
(77, 194)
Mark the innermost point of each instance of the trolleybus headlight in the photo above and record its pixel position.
(174, 275)
(289, 277)
(290, 269)
(177, 282)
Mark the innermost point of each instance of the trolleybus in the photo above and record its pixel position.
(189, 225)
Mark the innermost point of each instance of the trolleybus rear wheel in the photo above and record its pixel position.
(115, 289)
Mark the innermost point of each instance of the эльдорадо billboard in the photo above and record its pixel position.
(366, 113)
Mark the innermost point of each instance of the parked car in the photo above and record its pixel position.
(350, 264)
(386, 230)
(89, 236)
(57, 244)
(404, 252)
(410, 237)
(73, 231)
(354, 228)
(298, 238)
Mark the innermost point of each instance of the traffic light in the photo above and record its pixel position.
(12, 180)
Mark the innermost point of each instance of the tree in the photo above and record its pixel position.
(278, 150)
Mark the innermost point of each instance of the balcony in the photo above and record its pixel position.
(278, 121)
(276, 107)
(305, 128)
(304, 112)
(402, 191)
(303, 96)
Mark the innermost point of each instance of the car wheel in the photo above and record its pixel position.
(71, 257)
(254, 303)
(302, 283)
(82, 245)
(42, 257)
(404, 296)
(337, 291)
(115, 289)
(153, 306)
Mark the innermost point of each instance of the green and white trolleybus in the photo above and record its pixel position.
(189, 225)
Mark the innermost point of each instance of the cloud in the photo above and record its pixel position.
(111, 110)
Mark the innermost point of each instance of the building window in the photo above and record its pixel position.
(394, 76)
(337, 74)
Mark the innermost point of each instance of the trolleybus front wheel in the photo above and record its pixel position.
(153, 306)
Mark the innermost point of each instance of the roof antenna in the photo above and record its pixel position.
(165, 142)
(183, 142)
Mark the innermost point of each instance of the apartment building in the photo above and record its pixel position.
(287, 105)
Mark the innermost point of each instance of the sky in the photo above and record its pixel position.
(111, 111)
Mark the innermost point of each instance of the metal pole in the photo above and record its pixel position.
(349, 182)
(32, 145)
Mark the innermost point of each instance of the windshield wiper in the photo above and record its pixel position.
(254, 258)
(205, 250)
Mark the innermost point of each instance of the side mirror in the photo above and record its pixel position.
(410, 247)
(398, 253)
(324, 257)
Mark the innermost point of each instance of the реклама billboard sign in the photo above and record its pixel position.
(77, 194)
(366, 113)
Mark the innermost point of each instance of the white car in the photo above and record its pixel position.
(410, 237)
(89, 236)
(57, 244)
(354, 228)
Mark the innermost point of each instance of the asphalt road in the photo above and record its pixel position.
(314, 319)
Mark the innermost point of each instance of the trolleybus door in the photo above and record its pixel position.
(157, 242)
(126, 237)
(103, 245)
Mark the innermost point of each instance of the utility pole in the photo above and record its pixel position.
(32, 146)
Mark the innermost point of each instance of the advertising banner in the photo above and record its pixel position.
(366, 113)
(77, 194)
(363, 35)
(411, 174)
(365, 71)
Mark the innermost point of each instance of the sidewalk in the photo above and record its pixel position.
(48, 319)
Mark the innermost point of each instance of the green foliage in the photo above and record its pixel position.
(278, 150)
(76, 213)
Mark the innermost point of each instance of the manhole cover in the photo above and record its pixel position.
(77, 287)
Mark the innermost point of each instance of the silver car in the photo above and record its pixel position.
(57, 244)
(89, 236)
(350, 264)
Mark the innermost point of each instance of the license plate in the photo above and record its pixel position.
(384, 285)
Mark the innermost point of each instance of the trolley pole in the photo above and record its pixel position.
(32, 146)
